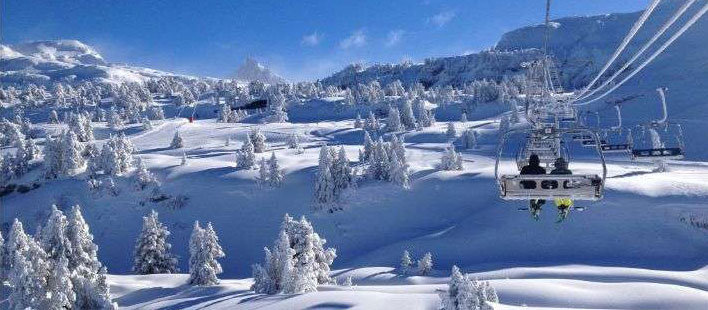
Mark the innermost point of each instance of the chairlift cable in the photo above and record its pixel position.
(635, 28)
(666, 44)
(680, 12)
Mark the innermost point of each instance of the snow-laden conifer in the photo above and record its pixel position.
(406, 262)
(258, 140)
(451, 131)
(152, 254)
(275, 174)
(393, 123)
(451, 160)
(204, 250)
(177, 141)
(245, 157)
(425, 264)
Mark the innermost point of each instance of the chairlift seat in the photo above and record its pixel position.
(526, 187)
(616, 148)
(659, 153)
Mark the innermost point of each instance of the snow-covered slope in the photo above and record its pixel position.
(251, 70)
(44, 62)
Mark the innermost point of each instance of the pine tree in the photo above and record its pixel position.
(342, 174)
(324, 183)
(53, 117)
(53, 236)
(406, 262)
(262, 177)
(60, 287)
(451, 160)
(246, 158)
(143, 177)
(204, 250)
(72, 151)
(425, 264)
(275, 174)
(451, 131)
(358, 122)
(368, 146)
(393, 123)
(372, 124)
(114, 120)
(276, 107)
(379, 162)
(29, 271)
(152, 251)
(504, 124)
(463, 118)
(469, 139)
(293, 141)
(117, 155)
(177, 141)
(407, 115)
(88, 274)
(258, 140)
(466, 293)
(297, 262)
(146, 124)
(399, 172)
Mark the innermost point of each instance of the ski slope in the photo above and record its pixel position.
(634, 249)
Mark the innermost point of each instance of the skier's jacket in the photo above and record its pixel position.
(533, 167)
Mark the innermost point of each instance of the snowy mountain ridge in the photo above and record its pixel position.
(252, 70)
(45, 62)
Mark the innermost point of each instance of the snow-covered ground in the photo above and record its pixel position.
(635, 249)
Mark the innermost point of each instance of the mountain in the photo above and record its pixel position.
(44, 62)
(251, 70)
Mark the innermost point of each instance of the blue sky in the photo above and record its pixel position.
(297, 39)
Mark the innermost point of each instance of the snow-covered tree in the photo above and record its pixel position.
(393, 123)
(262, 177)
(245, 158)
(358, 122)
(258, 140)
(348, 282)
(324, 182)
(451, 131)
(469, 139)
(368, 147)
(297, 263)
(379, 162)
(293, 141)
(81, 126)
(465, 293)
(425, 264)
(276, 107)
(451, 160)
(146, 123)
(406, 262)
(60, 287)
(29, 271)
(88, 274)
(152, 251)
(275, 174)
(53, 237)
(399, 172)
(204, 250)
(117, 155)
(342, 173)
(143, 177)
(407, 115)
(114, 120)
(72, 151)
(177, 141)
(53, 117)
(372, 124)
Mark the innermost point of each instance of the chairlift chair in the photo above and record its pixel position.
(660, 139)
(525, 187)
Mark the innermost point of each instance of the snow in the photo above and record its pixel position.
(562, 287)
(252, 70)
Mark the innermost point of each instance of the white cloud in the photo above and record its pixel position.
(356, 39)
(442, 18)
(394, 37)
(311, 39)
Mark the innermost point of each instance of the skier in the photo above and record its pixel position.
(563, 204)
(533, 168)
